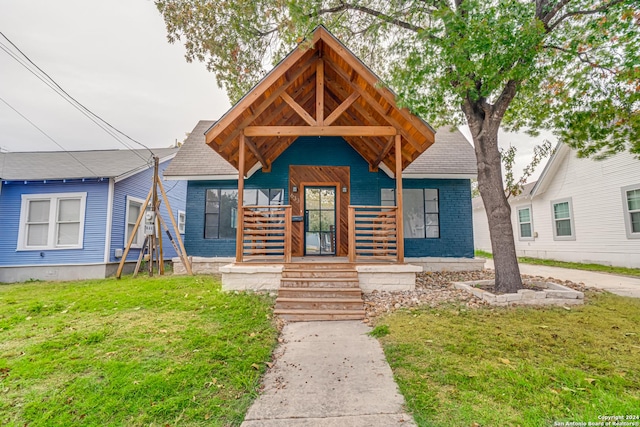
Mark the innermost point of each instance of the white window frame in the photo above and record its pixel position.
(627, 212)
(571, 219)
(139, 240)
(52, 236)
(181, 224)
(520, 236)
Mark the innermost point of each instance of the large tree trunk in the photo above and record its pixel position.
(485, 138)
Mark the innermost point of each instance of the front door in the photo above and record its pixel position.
(320, 220)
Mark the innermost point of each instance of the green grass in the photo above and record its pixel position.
(145, 351)
(575, 265)
(517, 366)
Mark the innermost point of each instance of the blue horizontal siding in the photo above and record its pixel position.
(455, 198)
(94, 226)
(138, 186)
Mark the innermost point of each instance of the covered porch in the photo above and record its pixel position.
(320, 90)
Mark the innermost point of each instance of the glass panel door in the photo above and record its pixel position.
(320, 220)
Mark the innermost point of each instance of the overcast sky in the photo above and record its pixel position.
(113, 57)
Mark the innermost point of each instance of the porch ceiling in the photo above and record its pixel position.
(321, 90)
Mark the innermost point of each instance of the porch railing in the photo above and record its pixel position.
(266, 233)
(373, 234)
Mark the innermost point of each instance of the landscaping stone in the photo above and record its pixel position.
(435, 289)
(552, 293)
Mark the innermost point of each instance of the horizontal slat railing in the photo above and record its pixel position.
(373, 233)
(266, 233)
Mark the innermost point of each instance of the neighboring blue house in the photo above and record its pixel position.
(320, 164)
(68, 215)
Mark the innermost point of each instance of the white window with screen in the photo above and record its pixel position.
(562, 214)
(134, 206)
(52, 221)
(631, 207)
(182, 220)
(525, 223)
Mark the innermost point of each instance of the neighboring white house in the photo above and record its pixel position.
(580, 210)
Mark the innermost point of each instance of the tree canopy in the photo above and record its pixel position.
(570, 66)
(575, 63)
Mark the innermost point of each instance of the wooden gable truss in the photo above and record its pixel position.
(321, 91)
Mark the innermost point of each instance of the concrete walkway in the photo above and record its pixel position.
(619, 285)
(329, 374)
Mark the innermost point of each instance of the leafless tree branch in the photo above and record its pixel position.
(606, 5)
(582, 56)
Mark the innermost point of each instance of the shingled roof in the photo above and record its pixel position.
(196, 160)
(40, 165)
(450, 156)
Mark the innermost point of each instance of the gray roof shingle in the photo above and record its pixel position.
(39, 165)
(195, 158)
(451, 154)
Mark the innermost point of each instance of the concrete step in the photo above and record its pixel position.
(320, 303)
(300, 315)
(312, 292)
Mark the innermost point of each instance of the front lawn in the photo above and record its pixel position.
(146, 351)
(517, 366)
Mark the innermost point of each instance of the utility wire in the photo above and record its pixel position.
(87, 113)
(74, 100)
(52, 87)
(47, 135)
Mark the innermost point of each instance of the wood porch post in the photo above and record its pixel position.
(399, 215)
(240, 221)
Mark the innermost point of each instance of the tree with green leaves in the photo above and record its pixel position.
(571, 66)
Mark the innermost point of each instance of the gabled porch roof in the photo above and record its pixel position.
(321, 90)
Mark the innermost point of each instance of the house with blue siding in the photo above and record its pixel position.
(321, 145)
(68, 215)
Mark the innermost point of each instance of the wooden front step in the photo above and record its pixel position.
(327, 303)
(314, 315)
(320, 282)
(319, 291)
(314, 272)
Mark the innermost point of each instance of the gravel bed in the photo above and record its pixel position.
(435, 288)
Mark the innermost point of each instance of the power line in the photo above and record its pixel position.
(47, 135)
(87, 113)
(73, 99)
(52, 87)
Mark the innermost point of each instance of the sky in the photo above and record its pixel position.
(114, 58)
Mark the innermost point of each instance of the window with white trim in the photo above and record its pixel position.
(631, 206)
(562, 214)
(52, 221)
(182, 220)
(134, 205)
(525, 223)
